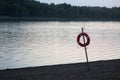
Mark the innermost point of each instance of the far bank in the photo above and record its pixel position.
(51, 19)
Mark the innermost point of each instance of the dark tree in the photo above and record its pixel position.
(32, 8)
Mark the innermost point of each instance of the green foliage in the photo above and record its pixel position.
(32, 8)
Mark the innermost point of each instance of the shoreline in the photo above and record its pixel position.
(99, 70)
(2, 18)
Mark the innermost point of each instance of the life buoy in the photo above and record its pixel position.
(87, 37)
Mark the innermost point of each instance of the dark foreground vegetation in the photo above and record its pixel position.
(32, 8)
(100, 70)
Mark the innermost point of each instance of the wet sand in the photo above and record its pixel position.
(99, 70)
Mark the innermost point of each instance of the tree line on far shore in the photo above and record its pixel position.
(32, 8)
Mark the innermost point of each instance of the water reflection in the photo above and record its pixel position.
(24, 44)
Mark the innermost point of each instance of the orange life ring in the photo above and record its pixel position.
(82, 44)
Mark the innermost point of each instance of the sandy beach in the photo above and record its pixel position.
(99, 70)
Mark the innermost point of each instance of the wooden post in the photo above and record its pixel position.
(86, 52)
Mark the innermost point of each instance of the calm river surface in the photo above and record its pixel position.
(27, 44)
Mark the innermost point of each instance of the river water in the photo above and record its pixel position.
(28, 44)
